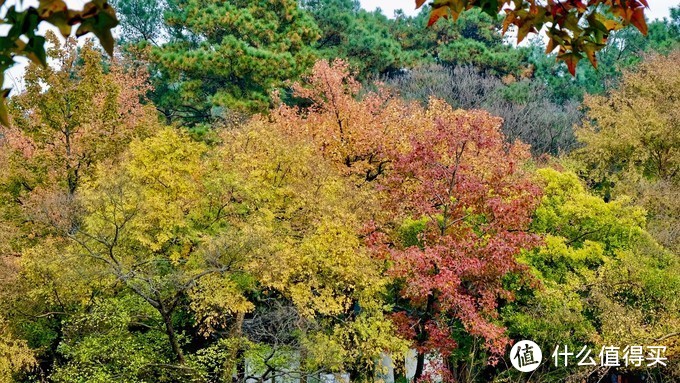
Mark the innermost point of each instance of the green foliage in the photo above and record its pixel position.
(411, 230)
(141, 20)
(569, 211)
(118, 339)
(473, 39)
(363, 38)
(603, 279)
(223, 57)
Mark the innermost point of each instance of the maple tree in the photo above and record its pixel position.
(465, 203)
(577, 28)
(358, 135)
(445, 176)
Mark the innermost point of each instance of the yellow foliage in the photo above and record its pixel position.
(313, 216)
(632, 143)
(15, 355)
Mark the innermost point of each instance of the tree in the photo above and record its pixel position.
(474, 39)
(631, 142)
(22, 41)
(225, 57)
(140, 221)
(117, 338)
(186, 228)
(353, 34)
(140, 20)
(15, 355)
(665, 34)
(466, 204)
(603, 280)
(526, 106)
(445, 176)
(56, 138)
(70, 117)
(178, 238)
(314, 219)
(578, 29)
(355, 135)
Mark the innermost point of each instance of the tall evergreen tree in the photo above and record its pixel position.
(219, 57)
(474, 39)
(363, 38)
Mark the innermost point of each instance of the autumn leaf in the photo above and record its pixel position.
(571, 59)
(524, 30)
(100, 22)
(591, 49)
(49, 7)
(4, 116)
(638, 20)
(550, 46)
(436, 14)
(62, 20)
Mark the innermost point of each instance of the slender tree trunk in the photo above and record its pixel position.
(422, 336)
(303, 368)
(229, 365)
(234, 361)
(240, 365)
(420, 365)
(170, 331)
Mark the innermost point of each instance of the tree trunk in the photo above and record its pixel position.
(303, 367)
(233, 361)
(240, 366)
(422, 336)
(170, 331)
(420, 365)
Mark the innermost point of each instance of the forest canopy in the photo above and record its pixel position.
(284, 191)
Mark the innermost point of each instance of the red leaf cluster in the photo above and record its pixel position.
(451, 169)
